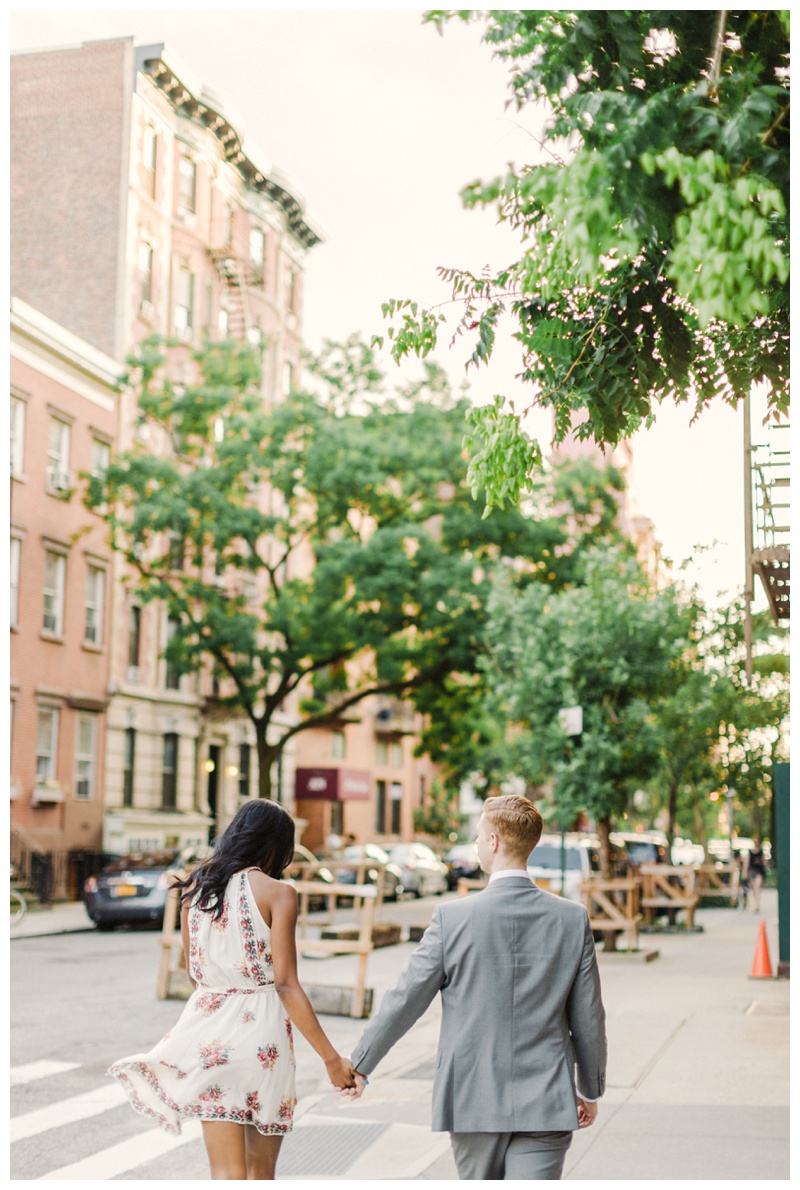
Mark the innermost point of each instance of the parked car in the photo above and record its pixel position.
(133, 888)
(306, 866)
(422, 871)
(684, 851)
(393, 887)
(544, 864)
(641, 848)
(462, 861)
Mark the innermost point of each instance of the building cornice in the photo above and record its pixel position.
(196, 103)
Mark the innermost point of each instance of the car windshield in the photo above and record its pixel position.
(549, 856)
(139, 862)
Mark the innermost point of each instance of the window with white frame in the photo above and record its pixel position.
(85, 755)
(14, 563)
(184, 302)
(337, 745)
(58, 455)
(17, 435)
(46, 744)
(150, 158)
(55, 569)
(146, 276)
(128, 766)
(187, 184)
(101, 456)
(95, 603)
(257, 247)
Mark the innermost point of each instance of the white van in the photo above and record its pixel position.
(544, 864)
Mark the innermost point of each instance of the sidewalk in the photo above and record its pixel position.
(698, 1077)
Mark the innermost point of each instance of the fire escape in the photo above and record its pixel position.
(770, 492)
(236, 274)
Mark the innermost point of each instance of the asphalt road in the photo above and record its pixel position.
(79, 1002)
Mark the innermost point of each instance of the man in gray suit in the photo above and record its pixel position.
(521, 1012)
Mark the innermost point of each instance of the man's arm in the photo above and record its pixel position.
(587, 1020)
(405, 1001)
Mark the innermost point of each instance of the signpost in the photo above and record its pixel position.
(571, 722)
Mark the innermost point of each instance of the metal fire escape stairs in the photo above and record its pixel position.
(771, 502)
(236, 276)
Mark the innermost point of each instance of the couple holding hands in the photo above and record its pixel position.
(522, 1050)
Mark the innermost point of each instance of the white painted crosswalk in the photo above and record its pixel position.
(109, 1162)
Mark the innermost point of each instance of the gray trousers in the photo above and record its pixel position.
(510, 1156)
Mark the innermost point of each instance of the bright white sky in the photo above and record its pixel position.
(377, 122)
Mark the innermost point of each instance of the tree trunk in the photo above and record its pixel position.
(672, 810)
(266, 758)
(607, 872)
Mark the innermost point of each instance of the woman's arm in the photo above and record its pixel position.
(278, 905)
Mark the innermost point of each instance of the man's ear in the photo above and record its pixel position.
(494, 841)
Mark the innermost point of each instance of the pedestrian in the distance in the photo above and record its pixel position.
(229, 1061)
(521, 1012)
(756, 871)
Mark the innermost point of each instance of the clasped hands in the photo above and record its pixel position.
(345, 1077)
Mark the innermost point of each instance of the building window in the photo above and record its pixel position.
(381, 752)
(245, 752)
(184, 303)
(150, 158)
(134, 642)
(17, 435)
(128, 763)
(46, 744)
(85, 756)
(146, 278)
(173, 677)
(337, 745)
(223, 322)
(14, 562)
(169, 771)
(257, 247)
(291, 290)
(396, 755)
(187, 184)
(95, 602)
(58, 456)
(55, 568)
(380, 807)
(396, 801)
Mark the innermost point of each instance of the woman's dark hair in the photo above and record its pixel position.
(261, 835)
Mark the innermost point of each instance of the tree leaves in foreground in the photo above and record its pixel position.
(653, 225)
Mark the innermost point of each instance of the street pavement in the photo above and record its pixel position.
(698, 1076)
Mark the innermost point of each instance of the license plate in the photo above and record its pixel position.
(124, 890)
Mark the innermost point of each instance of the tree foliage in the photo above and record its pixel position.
(654, 224)
(326, 549)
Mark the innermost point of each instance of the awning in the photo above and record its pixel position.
(333, 785)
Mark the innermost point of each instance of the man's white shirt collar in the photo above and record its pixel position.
(509, 872)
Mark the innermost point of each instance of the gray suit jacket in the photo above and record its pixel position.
(521, 1011)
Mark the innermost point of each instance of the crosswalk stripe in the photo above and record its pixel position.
(117, 1159)
(67, 1111)
(41, 1069)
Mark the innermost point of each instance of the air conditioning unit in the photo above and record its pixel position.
(16, 790)
(47, 793)
(132, 673)
(185, 333)
(147, 310)
(57, 480)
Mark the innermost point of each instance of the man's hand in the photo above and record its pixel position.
(358, 1090)
(587, 1112)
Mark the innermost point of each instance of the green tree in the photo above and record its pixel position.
(607, 646)
(653, 224)
(322, 551)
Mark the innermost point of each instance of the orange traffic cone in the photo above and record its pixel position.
(762, 967)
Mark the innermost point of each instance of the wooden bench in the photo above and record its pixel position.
(466, 886)
(365, 897)
(718, 881)
(613, 906)
(173, 960)
(667, 886)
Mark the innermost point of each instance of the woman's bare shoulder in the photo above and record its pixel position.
(274, 892)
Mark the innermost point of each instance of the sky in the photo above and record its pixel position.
(377, 122)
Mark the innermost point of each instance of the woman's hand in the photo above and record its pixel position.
(341, 1072)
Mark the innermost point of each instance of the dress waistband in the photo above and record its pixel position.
(216, 991)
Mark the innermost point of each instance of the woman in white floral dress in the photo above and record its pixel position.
(229, 1061)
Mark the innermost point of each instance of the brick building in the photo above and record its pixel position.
(64, 412)
(135, 209)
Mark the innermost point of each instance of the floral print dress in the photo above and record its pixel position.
(230, 1057)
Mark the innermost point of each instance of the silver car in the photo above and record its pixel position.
(423, 872)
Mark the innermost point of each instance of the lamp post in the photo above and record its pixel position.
(571, 722)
